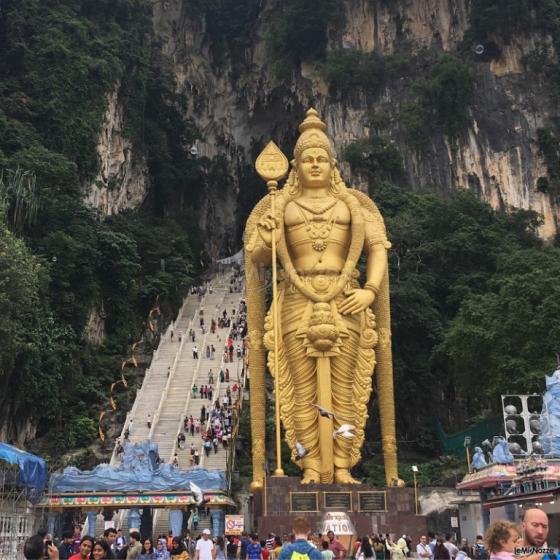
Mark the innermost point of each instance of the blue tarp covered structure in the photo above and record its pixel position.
(140, 472)
(550, 416)
(32, 469)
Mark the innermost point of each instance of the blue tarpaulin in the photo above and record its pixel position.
(32, 469)
(140, 472)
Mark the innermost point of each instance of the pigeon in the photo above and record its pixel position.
(301, 450)
(327, 413)
(344, 431)
(197, 493)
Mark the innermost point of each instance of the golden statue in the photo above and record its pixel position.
(331, 333)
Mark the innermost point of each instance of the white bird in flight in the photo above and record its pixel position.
(301, 450)
(197, 493)
(344, 431)
(327, 413)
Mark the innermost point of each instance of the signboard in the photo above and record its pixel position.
(235, 524)
(338, 522)
(303, 501)
(342, 501)
(454, 521)
(372, 501)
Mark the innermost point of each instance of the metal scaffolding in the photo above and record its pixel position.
(18, 519)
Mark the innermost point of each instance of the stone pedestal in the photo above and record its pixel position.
(369, 510)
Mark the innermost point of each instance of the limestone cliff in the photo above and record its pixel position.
(237, 107)
(122, 181)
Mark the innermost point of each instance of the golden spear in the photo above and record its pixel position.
(272, 165)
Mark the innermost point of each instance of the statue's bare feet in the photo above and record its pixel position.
(310, 476)
(343, 476)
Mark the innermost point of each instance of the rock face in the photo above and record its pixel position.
(238, 107)
(94, 331)
(122, 181)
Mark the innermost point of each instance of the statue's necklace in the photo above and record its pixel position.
(316, 207)
(318, 228)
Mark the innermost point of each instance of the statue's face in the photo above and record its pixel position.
(314, 168)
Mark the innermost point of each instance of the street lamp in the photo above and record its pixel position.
(414, 471)
(466, 443)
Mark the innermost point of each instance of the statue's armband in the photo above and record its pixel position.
(375, 231)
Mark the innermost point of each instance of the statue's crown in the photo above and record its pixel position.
(313, 134)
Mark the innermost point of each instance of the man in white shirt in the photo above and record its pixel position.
(423, 548)
(204, 547)
(452, 549)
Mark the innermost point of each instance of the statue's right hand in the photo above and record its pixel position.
(266, 226)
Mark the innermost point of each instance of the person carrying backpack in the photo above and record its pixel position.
(479, 551)
(301, 548)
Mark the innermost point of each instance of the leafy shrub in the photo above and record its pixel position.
(375, 157)
(549, 149)
(350, 69)
(441, 100)
(297, 31)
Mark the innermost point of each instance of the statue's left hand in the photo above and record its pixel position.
(356, 300)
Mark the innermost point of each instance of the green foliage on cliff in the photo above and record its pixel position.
(297, 31)
(440, 101)
(549, 149)
(60, 61)
(474, 301)
(351, 71)
(444, 252)
(510, 331)
(375, 157)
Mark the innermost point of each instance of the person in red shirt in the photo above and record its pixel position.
(86, 546)
(264, 551)
(336, 546)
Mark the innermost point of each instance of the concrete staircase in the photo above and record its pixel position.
(188, 373)
(166, 392)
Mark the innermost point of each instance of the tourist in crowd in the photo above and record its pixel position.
(178, 550)
(120, 541)
(451, 547)
(35, 548)
(395, 551)
(101, 550)
(423, 550)
(110, 536)
(326, 552)
(276, 547)
(365, 551)
(204, 547)
(254, 549)
(219, 552)
(66, 548)
(501, 539)
(135, 547)
(464, 550)
(335, 545)
(378, 548)
(534, 528)
(440, 551)
(232, 548)
(301, 545)
(86, 546)
(161, 552)
(148, 551)
(77, 536)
